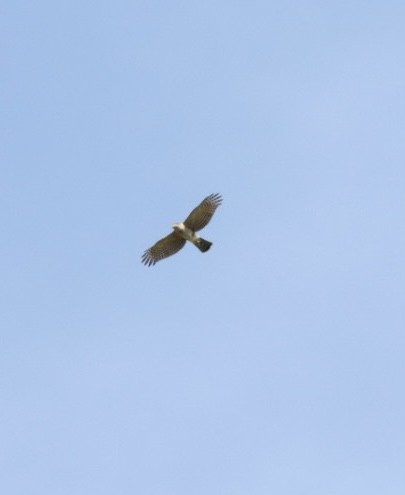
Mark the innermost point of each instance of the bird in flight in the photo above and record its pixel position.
(186, 231)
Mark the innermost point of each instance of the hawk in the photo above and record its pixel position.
(185, 231)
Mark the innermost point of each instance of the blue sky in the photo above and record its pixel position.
(274, 363)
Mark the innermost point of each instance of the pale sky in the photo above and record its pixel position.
(272, 364)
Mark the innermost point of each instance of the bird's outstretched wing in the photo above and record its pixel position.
(202, 214)
(163, 249)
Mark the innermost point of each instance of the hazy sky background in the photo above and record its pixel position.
(274, 363)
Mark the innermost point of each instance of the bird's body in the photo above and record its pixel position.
(190, 235)
(185, 231)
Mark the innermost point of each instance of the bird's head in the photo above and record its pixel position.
(177, 227)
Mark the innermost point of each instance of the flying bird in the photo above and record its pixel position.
(186, 231)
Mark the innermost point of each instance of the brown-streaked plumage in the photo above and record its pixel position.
(185, 231)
